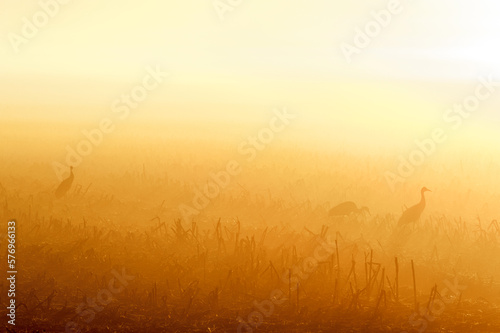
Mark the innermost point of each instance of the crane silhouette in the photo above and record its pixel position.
(413, 213)
(65, 185)
(346, 208)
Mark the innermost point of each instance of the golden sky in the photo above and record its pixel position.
(262, 54)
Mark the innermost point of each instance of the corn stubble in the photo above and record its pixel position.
(201, 275)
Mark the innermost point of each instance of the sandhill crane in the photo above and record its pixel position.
(413, 213)
(346, 208)
(65, 185)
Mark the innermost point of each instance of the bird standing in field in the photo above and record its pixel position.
(65, 185)
(413, 213)
(347, 208)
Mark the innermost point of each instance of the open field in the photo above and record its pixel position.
(116, 254)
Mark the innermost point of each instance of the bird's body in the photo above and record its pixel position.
(65, 185)
(413, 213)
(346, 208)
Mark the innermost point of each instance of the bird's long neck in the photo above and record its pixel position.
(422, 199)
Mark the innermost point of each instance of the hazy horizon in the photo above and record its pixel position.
(250, 166)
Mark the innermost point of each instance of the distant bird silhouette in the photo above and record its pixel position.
(65, 185)
(413, 213)
(346, 208)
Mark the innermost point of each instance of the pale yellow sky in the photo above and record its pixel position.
(92, 38)
(262, 54)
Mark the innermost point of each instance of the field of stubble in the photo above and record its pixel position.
(116, 255)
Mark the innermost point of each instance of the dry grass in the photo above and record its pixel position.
(201, 275)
